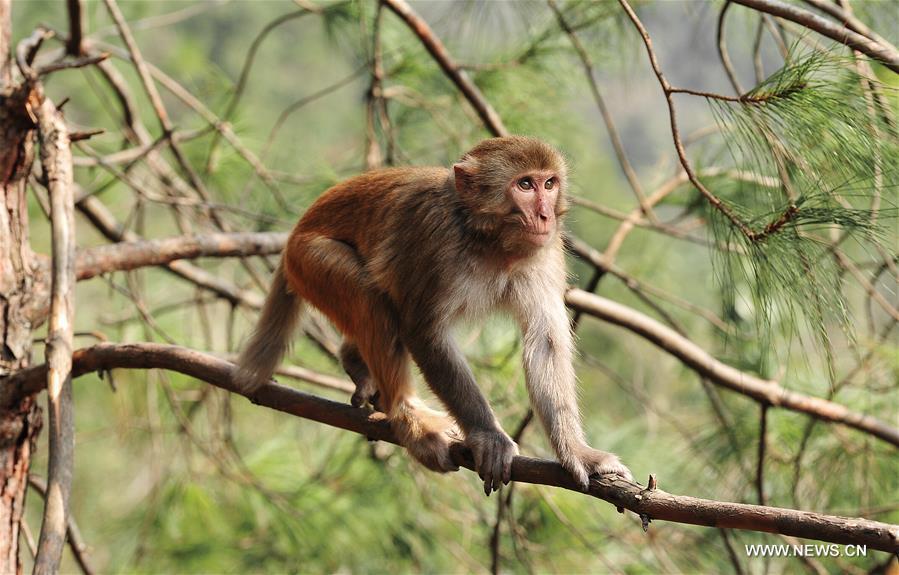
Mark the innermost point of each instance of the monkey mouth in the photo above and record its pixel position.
(537, 237)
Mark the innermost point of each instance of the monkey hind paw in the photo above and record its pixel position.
(614, 468)
(433, 451)
(365, 395)
(427, 435)
(588, 461)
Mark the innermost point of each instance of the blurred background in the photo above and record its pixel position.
(173, 475)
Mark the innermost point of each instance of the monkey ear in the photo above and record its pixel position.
(463, 174)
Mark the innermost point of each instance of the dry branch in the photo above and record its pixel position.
(438, 51)
(105, 222)
(133, 255)
(884, 53)
(763, 391)
(73, 533)
(651, 504)
(56, 157)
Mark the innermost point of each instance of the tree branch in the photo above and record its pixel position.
(73, 534)
(648, 503)
(132, 255)
(76, 27)
(56, 157)
(435, 47)
(763, 391)
(885, 54)
(846, 17)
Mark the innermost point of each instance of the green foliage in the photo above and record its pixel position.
(822, 162)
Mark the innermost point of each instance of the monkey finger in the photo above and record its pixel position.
(581, 476)
(499, 471)
(507, 468)
(487, 487)
(490, 481)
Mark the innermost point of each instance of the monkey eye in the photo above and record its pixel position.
(526, 184)
(550, 183)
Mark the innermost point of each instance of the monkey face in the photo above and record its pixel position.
(513, 188)
(534, 196)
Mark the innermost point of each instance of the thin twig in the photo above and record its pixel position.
(675, 132)
(76, 27)
(236, 95)
(760, 462)
(607, 119)
(81, 62)
(723, 54)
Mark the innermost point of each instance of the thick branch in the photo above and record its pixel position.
(100, 216)
(137, 254)
(435, 47)
(837, 32)
(56, 157)
(763, 391)
(654, 504)
(845, 17)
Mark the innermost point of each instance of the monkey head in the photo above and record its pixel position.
(514, 191)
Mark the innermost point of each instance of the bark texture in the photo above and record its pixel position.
(21, 421)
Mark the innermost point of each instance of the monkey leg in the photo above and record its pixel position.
(355, 367)
(330, 275)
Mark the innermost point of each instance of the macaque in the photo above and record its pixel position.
(395, 257)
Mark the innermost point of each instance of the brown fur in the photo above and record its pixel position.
(394, 257)
(271, 338)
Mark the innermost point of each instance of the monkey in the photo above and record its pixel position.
(395, 257)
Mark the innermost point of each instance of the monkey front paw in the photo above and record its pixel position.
(586, 461)
(493, 454)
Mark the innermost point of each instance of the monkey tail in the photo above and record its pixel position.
(271, 336)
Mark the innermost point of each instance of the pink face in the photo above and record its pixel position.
(535, 195)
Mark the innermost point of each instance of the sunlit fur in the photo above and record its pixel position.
(394, 257)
